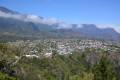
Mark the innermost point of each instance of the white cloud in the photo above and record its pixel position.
(33, 18)
(79, 26)
(8, 15)
(37, 19)
(30, 18)
(51, 21)
(63, 25)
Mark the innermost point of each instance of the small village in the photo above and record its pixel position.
(46, 48)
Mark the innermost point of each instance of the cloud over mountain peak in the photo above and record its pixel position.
(4, 12)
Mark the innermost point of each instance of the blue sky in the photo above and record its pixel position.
(72, 11)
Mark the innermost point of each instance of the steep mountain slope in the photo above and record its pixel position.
(3, 9)
(21, 25)
(91, 30)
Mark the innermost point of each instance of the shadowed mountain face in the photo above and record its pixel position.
(91, 30)
(3, 9)
(20, 25)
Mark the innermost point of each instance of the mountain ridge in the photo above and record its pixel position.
(33, 26)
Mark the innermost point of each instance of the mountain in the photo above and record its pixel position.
(91, 30)
(23, 26)
(3, 9)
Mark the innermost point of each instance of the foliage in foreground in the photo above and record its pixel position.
(6, 77)
(75, 66)
(72, 67)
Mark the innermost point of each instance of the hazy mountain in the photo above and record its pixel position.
(91, 30)
(3, 9)
(16, 24)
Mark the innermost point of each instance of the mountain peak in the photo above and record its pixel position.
(6, 10)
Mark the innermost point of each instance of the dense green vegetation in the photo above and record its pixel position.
(6, 77)
(77, 66)
(6, 72)
(69, 67)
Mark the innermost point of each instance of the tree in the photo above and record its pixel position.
(6, 77)
(104, 70)
(83, 76)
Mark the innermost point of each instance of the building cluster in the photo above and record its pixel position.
(40, 48)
